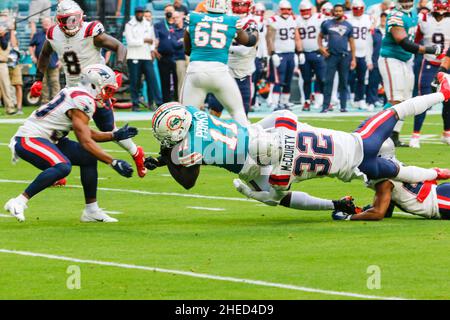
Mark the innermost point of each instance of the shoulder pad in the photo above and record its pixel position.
(84, 102)
(94, 29)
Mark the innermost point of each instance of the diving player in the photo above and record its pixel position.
(283, 42)
(78, 44)
(397, 50)
(42, 142)
(434, 29)
(207, 40)
(241, 59)
(314, 63)
(278, 150)
(362, 36)
(426, 199)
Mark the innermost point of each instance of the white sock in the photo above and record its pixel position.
(303, 201)
(284, 99)
(269, 121)
(92, 207)
(412, 174)
(417, 105)
(22, 199)
(398, 126)
(275, 98)
(128, 145)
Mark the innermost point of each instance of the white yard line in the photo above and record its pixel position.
(207, 209)
(5, 216)
(199, 275)
(149, 193)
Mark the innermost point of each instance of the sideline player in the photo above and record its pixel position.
(434, 29)
(78, 44)
(278, 150)
(283, 42)
(426, 199)
(42, 142)
(314, 63)
(207, 41)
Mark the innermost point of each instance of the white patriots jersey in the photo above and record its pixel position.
(309, 30)
(361, 34)
(242, 59)
(261, 50)
(285, 33)
(78, 51)
(50, 121)
(406, 196)
(310, 152)
(434, 33)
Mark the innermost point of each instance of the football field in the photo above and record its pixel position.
(212, 243)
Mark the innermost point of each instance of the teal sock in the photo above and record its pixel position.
(387, 106)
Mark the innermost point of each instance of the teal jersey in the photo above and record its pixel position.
(408, 21)
(214, 141)
(211, 36)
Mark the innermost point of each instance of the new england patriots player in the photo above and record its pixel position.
(241, 59)
(283, 42)
(433, 29)
(278, 150)
(314, 63)
(78, 44)
(445, 67)
(426, 199)
(362, 36)
(395, 60)
(42, 142)
(207, 41)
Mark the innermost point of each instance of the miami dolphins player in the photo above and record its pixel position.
(207, 40)
(395, 60)
(277, 151)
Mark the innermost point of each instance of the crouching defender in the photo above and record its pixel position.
(277, 151)
(426, 199)
(42, 141)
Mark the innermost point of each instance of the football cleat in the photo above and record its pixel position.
(97, 216)
(442, 174)
(60, 183)
(444, 84)
(345, 204)
(414, 142)
(445, 139)
(139, 159)
(306, 106)
(16, 209)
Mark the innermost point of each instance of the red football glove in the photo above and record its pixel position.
(118, 78)
(36, 89)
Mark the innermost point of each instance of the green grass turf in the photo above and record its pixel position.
(246, 240)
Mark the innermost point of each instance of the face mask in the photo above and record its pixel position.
(140, 18)
(169, 15)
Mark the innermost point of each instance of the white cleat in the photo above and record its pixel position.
(370, 107)
(16, 209)
(446, 139)
(414, 142)
(98, 216)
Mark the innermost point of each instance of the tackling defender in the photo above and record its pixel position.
(207, 41)
(278, 150)
(78, 44)
(425, 199)
(42, 141)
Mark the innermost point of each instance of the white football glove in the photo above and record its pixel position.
(301, 59)
(276, 60)
(270, 198)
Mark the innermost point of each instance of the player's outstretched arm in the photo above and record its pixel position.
(186, 176)
(80, 125)
(105, 41)
(381, 203)
(126, 132)
(400, 36)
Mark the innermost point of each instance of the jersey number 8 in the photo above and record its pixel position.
(217, 39)
(73, 64)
